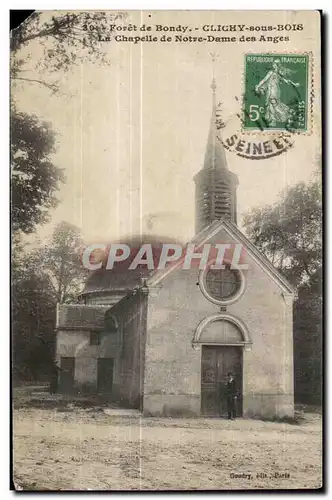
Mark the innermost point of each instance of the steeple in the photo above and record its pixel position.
(215, 153)
(215, 183)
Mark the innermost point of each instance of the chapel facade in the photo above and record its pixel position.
(163, 341)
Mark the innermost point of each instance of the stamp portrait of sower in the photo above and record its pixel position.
(275, 109)
(276, 92)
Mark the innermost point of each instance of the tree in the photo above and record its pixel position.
(34, 177)
(289, 233)
(308, 341)
(40, 279)
(33, 317)
(61, 261)
(67, 38)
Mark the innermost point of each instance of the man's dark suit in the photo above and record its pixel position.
(231, 398)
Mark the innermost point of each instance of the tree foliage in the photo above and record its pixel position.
(308, 341)
(41, 278)
(62, 262)
(67, 38)
(34, 177)
(289, 233)
(54, 273)
(33, 317)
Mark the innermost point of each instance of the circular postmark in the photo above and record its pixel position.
(257, 148)
(260, 145)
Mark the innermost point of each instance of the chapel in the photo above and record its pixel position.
(163, 341)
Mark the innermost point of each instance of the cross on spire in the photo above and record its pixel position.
(213, 84)
(215, 155)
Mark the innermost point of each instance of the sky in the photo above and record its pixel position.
(132, 134)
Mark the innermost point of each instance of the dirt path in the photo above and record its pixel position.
(83, 450)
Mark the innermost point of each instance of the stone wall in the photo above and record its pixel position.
(130, 313)
(74, 326)
(76, 344)
(173, 368)
(125, 346)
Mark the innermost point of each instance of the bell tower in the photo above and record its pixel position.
(215, 184)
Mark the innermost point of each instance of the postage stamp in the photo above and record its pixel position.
(276, 93)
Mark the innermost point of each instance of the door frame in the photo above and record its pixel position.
(242, 346)
(99, 363)
(61, 386)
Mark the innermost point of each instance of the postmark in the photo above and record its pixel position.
(258, 148)
(255, 145)
(276, 93)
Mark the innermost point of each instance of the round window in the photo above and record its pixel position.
(222, 286)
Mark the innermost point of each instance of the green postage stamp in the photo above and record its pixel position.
(276, 92)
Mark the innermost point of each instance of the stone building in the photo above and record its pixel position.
(163, 341)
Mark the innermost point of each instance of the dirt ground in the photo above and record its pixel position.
(70, 448)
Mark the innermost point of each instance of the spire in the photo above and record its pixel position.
(215, 183)
(215, 157)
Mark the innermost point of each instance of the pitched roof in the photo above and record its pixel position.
(80, 316)
(233, 231)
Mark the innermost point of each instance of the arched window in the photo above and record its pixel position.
(221, 329)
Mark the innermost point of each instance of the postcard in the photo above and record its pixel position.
(166, 215)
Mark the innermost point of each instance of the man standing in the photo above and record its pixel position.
(54, 378)
(231, 396)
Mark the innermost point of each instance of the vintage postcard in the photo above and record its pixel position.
(166, 214)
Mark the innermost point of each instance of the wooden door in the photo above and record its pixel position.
(67, 375)
(217, 361)
(105, 375)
